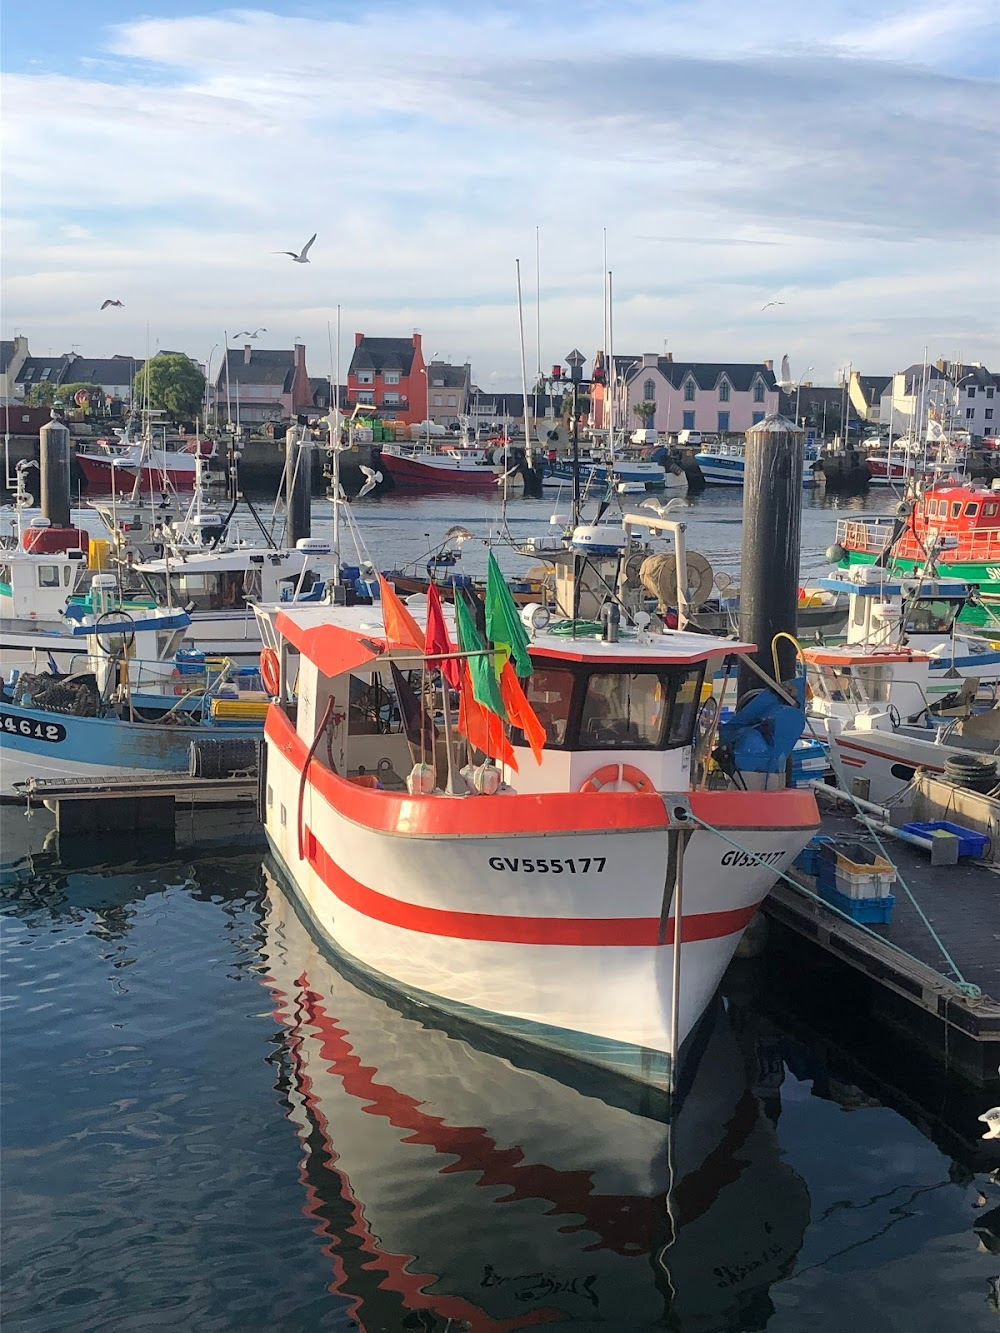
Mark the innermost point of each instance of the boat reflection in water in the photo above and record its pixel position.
(460, 1191)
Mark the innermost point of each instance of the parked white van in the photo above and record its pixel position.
(644, 437)
(689, 437)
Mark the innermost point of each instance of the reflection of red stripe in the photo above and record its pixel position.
(500, 929)
(409, 1284)
(549, 812)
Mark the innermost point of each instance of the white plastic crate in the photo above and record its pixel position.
(864, 885)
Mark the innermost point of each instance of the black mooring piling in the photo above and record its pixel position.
(298, 485)
(772, 528)
(53, 460)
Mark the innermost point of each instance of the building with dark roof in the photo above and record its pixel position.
(866, 394)
(114, 374)
(448, 392)
(256, 385)
(714, 397)
(13, 354)
(389, 373)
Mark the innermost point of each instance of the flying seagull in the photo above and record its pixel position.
(245, 333)
(303, 256)
(770, 303)
(105, 304)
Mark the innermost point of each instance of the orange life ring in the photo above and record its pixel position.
(602, 777)
(270, 670)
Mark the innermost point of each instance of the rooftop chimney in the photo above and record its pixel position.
(358, 339)
(300, 356)
(668, 356)
(769, 365)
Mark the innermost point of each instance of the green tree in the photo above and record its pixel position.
(176, 386)
(40, 394)
(645, 411)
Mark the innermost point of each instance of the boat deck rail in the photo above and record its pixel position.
(872, 536)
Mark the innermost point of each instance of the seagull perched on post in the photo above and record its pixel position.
(770, 303)
(109, 301)
(303, 256)
(245, 333)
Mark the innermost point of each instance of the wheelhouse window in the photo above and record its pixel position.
(222, 591)
(646, 709)
(972, 509)
(956, 508)
(931, 615)
(48, 576)
(550, 693)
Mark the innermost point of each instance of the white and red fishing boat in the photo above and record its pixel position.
(541, 901)
(112, 467)
(449, 468)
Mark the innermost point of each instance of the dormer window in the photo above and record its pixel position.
(758, 392)
(724, 392)
(689, 391)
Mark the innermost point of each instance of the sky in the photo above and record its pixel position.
(840, 159)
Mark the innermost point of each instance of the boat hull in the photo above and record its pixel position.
(720, 470)
(543, 917)
(406, 471)
(35, 743)
(103, 478)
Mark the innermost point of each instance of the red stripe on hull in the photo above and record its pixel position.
(550, 812)
(606, 932)
(122, 479)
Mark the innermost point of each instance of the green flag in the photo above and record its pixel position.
(504, 624)
(485, 687)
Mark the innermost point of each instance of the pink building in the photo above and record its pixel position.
(714, 397)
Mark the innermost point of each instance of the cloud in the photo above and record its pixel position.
(729, 154)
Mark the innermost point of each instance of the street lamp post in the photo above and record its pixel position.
(798, 390)
(208, 382)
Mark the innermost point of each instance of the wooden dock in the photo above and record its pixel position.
(190, 809)
(900, 972)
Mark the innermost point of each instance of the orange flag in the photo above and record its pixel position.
(482, 728)
(520, 711)
(400, 626)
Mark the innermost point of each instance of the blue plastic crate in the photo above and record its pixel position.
(970, 843)
(869, 911)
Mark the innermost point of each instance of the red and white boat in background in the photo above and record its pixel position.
(449, 468)
(540, 903)
(112, 467)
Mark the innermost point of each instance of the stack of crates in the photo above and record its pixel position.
(858, 881)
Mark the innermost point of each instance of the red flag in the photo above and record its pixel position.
(400, 626)
(520, 711)
(438, 640)
(482, 728)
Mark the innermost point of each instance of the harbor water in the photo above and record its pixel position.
(208, 1123)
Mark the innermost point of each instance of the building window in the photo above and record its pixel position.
(689, 391)
(688, 421)
(451, 400)
(758, 392)
(649, 391)
(390, 376)
(724, 392)
(366, 396)
(989, 393)
(723, 422)
(988, 414)
(366, 377)
(391, 399)
(757, 416)
(972, 391)
(970, 412)
(437, 400)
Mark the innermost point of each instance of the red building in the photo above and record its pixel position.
(390, 374)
